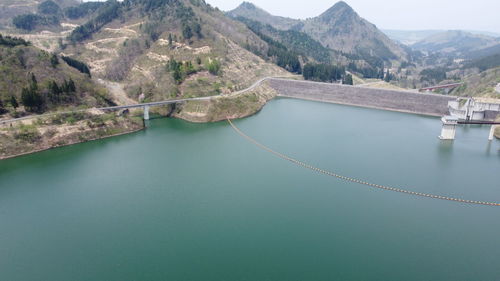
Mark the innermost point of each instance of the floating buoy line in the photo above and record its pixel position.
(354, 180)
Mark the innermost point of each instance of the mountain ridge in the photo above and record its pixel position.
(339, 28)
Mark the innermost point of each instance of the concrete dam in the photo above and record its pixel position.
(402, 101)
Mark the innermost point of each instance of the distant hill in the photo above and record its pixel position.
(410, 37)
(339, 28)
(9, 9)
(250, 11)
(456, 42)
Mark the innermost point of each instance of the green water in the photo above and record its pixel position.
(187, 201)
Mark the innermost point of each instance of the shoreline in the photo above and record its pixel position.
(70, 144)
(252, 90)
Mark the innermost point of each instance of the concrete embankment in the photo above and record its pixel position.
(402, 101)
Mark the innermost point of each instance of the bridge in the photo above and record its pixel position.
(446, 86)
(145, 106)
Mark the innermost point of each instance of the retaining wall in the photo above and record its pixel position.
(404, 101)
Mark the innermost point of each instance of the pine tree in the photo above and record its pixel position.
(54, 92)
(187, 32)
(170, 40)
(54, 61)
(197, 30)
(348, 80)
(13, 102)
(33, 83)
(71, 86)
(387, 76)
(2, 108)
(31, 99)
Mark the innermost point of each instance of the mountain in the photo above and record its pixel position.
(339, 28)
(456, 42)
(172, 48)
(250, 11)
(410, 37)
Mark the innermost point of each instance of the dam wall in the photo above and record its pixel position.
(402, 101)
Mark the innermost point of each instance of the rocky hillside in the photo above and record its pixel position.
(163, 49)
(342, 29)
(339, 28)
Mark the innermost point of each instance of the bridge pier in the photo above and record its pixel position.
(492, 132)
(146, 112)
(449, 128)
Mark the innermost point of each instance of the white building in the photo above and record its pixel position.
(474, 109)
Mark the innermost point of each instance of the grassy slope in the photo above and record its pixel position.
(147, 74)
(62, 129)
(482, 84)
(229, 106)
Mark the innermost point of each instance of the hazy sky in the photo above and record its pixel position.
(393, 14)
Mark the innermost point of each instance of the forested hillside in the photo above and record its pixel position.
(34, 81)
(340, 30)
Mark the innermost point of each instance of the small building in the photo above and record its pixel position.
(475, 109)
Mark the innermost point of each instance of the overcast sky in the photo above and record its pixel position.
(393, 14)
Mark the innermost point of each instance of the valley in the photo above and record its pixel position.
(194, 140)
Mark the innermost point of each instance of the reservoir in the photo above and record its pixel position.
(186, 202)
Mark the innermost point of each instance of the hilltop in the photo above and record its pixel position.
(339, 28)
(251, 11)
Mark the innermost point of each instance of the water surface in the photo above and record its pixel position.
(184, 201)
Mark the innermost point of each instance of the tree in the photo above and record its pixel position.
(187, 32)
(32, 100)
(49, 7)
(2, 108)
(54, 61)
(197, 30)
(80, 66)
(214, 67)
(388, 77)
(323, 72)
(27, 21)
(198, 60)
(54, 92)
(33, 83)
(170, 40)
(348, 80)
(13, 102)
(71, 86)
